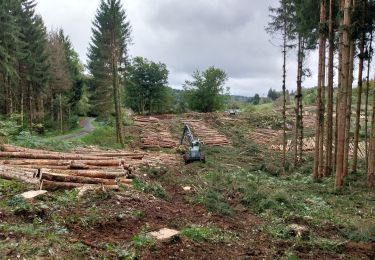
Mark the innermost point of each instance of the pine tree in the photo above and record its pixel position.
(306, 21)
(282, 22)
(107, 59)
(75, 70)
(60, 81)
(34, 67)
(10, 45)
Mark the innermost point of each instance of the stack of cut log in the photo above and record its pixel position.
(206, 134)
(83, 168)
(265, 136)
(158, 137)
(154, 134)
(54, 170)
(145, 120)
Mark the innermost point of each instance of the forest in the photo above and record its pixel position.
(93, 165)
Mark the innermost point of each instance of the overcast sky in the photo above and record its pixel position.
(189, 35)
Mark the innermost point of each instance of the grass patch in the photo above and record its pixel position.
(105, 136)
(151, 188)
(207, 234)
(213, 201)
(142, 240)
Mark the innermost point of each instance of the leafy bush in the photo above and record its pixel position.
(73, 122)
(9, 128)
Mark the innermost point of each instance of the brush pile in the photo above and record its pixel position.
(55, 170)
(309, 146)
(206, 134)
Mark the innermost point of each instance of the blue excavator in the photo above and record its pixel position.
(194, 152)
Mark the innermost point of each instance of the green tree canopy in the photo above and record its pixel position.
(256, 99)
(111, 37)
(207, 91)
(146, 88)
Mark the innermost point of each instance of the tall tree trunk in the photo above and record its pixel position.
(367, 98)
(349, 108)
(22, 105)
(30, 109)
(284, 94)
(371, 164)
(301, 104)
(298, 147)
(322, 113)
(319, 118)
(61, 114)
(343, 95)
(359, 90)
(328, 145)
(116, 94)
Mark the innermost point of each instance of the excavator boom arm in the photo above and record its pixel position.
(187, 132)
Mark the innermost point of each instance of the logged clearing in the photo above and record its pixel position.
(111, 202)
(208, 135)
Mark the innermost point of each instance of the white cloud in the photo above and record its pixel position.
(189, 35)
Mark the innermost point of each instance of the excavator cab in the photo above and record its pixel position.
(194, 152)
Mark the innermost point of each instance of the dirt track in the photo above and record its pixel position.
(87, 125)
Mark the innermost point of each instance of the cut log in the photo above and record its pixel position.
(9, 173)
(111, 175)
(53, 186)
(15, 149)
(55, 156)
(49, 176)
(29, 195)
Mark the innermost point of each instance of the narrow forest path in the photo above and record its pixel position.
(87, 125)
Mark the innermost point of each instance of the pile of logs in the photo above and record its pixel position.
(206, 134)
(82, 168)
(54, 170)
(145, 120)
(154, 134)
(158, 137)
(265, 136)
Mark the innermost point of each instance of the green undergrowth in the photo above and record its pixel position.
(153, 188)
(208, 234)
(25, 139)
(292, 199)
(105, 136)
